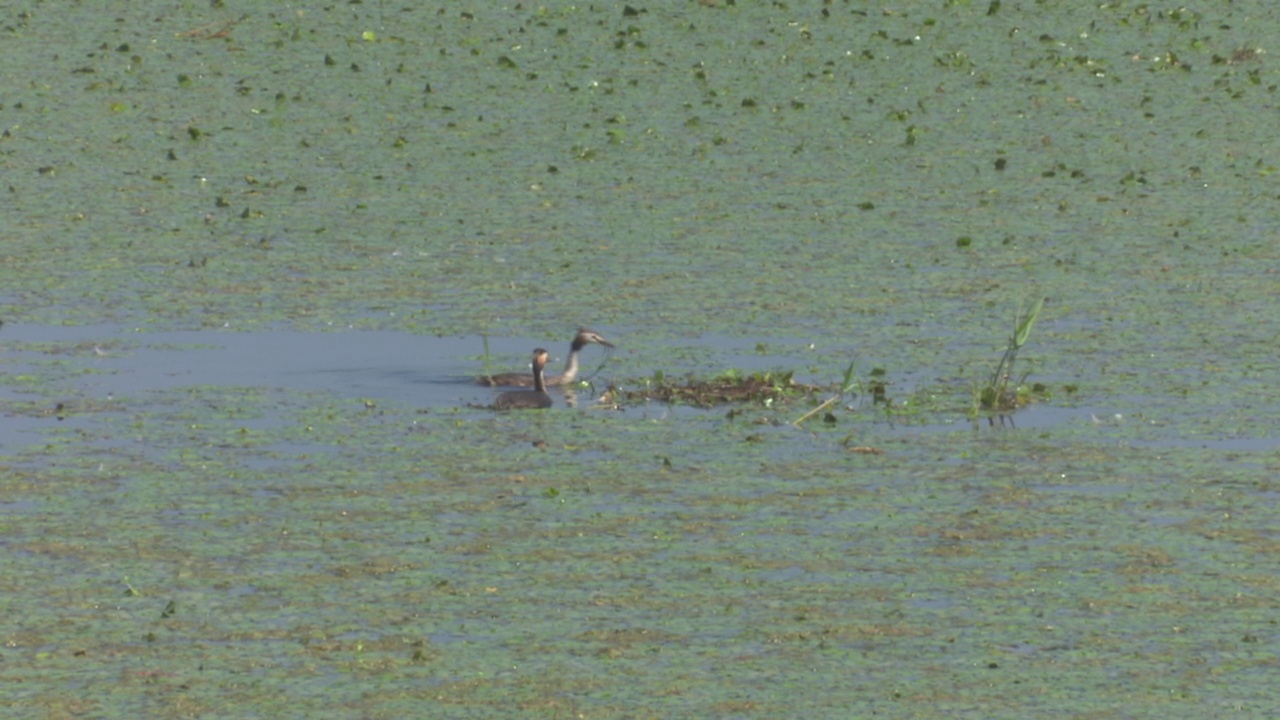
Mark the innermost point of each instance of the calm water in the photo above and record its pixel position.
(276, 500)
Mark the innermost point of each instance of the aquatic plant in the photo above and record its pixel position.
(847, 385)
(1001, 392)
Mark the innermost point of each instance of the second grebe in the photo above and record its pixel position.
(535, 399)
(581, 340)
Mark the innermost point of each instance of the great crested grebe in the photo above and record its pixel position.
(535, 399)
(581, 340)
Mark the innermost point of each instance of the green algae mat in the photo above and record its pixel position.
(704, 182)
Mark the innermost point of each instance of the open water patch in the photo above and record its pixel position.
(77, 371)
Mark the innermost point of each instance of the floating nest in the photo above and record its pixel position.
(723, 389)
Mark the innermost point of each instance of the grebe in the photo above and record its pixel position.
(535, 399)
(581, 340)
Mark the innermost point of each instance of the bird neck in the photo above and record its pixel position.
(538, 384)
(571, 364)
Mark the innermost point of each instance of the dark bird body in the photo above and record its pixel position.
(535, 399)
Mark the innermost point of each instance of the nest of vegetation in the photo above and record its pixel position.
(732, 387)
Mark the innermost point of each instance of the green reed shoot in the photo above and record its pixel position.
(847, 386)
(996, 395)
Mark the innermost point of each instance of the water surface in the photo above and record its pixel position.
(277, 499)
